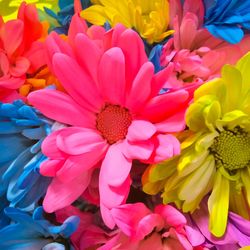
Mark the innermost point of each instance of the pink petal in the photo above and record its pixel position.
(111, 75)
(50, 167)
(76, 164)
(107, 216)
(12, 36)
(161, 107)
(160, 79)
(138, 150)
(166, 146)
(77, 25)
(83, 45)
(195, 237)
(148, 224)
(128, 216)
(111, 38)
(4, 63)
(60, 195)
(36, 55)
(140, 130)
(76, 82)
(129, 41)
(50, 149)
(141, 87)
(77, 140)
(196, 7)
(115, 166)
(188, 30)
(22, 65)
(174, 123)
(181, 239)
(61, 107)
(12, 82)
(171, 215)
(111, 196)
(55, 44)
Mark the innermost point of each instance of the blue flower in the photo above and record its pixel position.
(65, 14)
(35, 232)
(225, 19)
(22, 130)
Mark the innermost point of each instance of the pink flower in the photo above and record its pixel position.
(196, 55)
(141, 229)
(20, 50)
(114, 113)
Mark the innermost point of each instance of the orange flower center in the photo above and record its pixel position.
(113, 122)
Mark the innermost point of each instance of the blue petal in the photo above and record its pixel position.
(231, 34)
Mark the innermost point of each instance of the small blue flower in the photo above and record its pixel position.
(65, 14)
(22, 130)
(225, 19)
(35, 232)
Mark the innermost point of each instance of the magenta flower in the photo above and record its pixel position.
(141, 229)
(114, 113)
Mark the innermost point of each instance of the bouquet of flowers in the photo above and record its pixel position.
(125, 124)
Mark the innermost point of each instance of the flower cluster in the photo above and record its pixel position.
(125, 124)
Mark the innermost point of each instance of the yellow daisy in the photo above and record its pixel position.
(149, 18)
(9, 8)
(215, 157)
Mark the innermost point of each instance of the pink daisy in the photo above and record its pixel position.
(114, 113)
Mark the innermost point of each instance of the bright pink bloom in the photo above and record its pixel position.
(138, 228)
(114, 112)
(196, 55)
(20, 51)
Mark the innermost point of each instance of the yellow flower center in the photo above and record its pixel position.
(113, 122)
(231, 149)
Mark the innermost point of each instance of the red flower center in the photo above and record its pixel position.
(113, 122)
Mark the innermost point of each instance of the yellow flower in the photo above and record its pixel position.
(9, 8)
(215, 157)
(149, 18)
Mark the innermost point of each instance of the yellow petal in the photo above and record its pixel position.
(215, 87)
(243, 65)
(196, 183)
(211, 114)
(238, 202)
(218, 204)
(233, 79)
(232, 119)
(95, 14)
(245, 176)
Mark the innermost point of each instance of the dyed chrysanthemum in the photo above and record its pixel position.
(149, 18)
(22, 130)
(215, 151)
(114, 112)
(35, 232)
(21, 50)
(9, 8)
